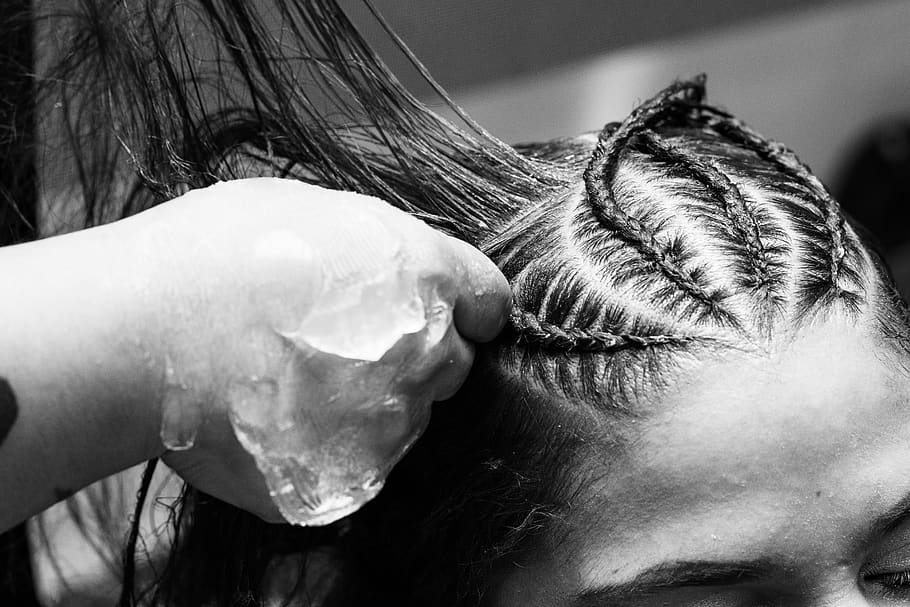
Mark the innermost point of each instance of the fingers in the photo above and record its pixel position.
(483, 296)
(439, 370)
(454, 368)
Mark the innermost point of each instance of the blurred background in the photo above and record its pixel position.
(814, 73)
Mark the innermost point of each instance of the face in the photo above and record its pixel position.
(781, 479)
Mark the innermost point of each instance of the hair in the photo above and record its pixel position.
(676, 234)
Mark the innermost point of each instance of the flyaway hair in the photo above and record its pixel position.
(189, 93)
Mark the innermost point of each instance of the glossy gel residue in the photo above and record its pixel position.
(326, 428)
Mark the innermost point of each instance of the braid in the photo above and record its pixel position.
(746, 228)
(599, 177)
(528, 330)
(725, 191)
(779, 154)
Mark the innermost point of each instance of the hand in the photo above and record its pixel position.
(314, 326)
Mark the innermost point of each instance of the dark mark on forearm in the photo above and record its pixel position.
(9, 409)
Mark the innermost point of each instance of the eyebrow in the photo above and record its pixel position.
(688, 574)
(892, 518)
(677, 574)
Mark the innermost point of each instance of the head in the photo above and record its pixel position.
(700, 397)
(750, 454)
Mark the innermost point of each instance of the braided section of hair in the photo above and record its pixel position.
(779, 154)
(528, 330)
(599, 177)
(729, 196)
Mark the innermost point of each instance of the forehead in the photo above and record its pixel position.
(783, 454)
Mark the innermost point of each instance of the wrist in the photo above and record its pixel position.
(135, 290)
(112, 338)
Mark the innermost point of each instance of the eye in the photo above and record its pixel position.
(893, 587)
(891, 579)
(896, 580)
(886, 572)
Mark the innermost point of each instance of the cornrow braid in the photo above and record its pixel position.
(599, 176)
(758, 239)
(529, 330)
(783, 157)
(729, 196)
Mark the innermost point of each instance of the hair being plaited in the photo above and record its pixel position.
(676, 230)
(839, 243)
(598, 179)
(532, 332)
(756, 239)
(184, 94)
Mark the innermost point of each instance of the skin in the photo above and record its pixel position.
(93, 320)
(795, 461)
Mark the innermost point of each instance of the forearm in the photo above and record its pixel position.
(78, 399)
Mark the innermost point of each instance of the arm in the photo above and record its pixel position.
(217, 317)
(75, 389)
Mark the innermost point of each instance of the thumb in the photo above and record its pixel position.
(483, 296)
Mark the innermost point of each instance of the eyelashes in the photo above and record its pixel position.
(894, 585)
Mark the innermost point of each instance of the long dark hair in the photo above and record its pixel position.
(677, 232)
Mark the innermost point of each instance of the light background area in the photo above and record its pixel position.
(814, 78)
(467, 43)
